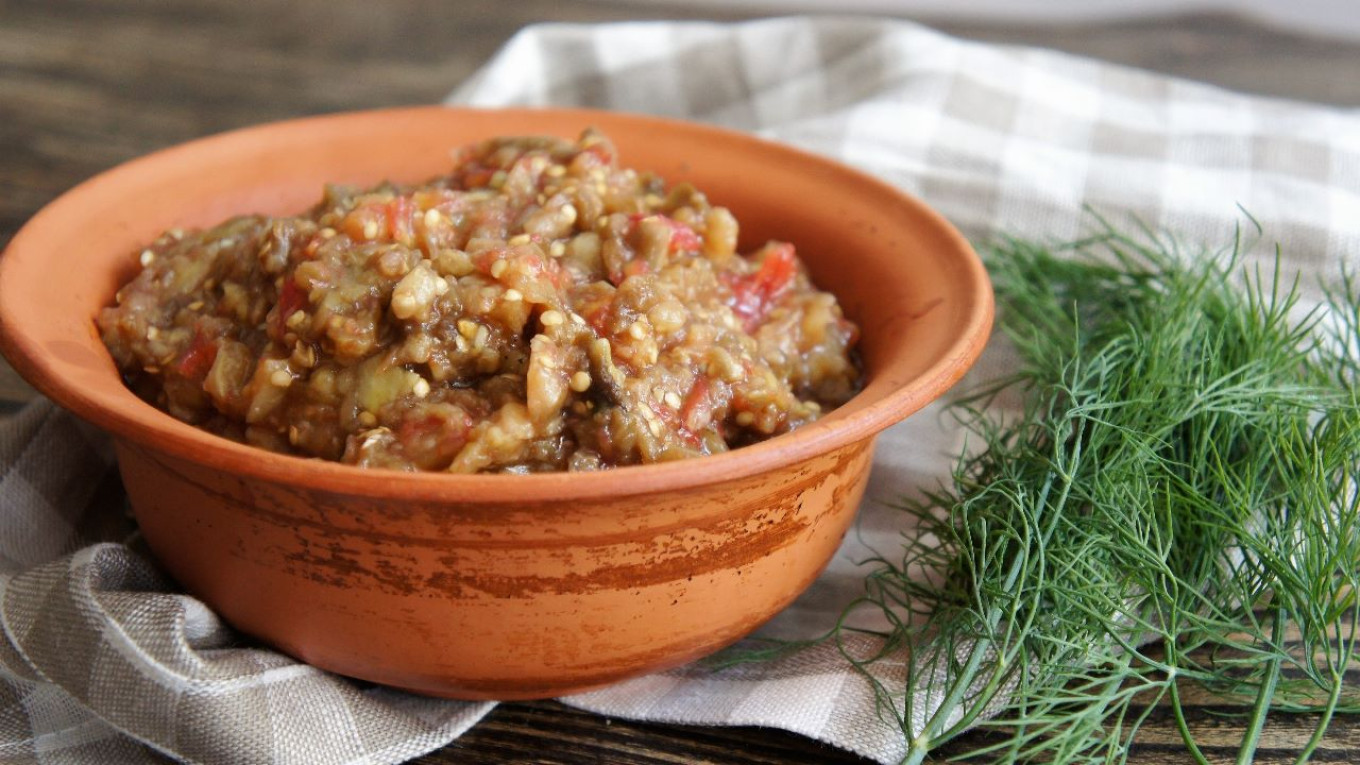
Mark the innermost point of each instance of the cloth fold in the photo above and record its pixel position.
(102, 660)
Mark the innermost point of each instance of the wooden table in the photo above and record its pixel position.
(86, 84)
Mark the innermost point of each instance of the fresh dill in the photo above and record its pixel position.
(1175, 506)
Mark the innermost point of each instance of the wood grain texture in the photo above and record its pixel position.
(86, 84)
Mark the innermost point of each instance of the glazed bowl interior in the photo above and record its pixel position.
(903, 274)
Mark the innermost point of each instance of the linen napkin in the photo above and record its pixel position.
(102, 660)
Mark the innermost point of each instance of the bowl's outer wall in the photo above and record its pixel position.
(495, 586)
(474, 600)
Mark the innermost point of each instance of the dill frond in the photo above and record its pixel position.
(1176, 505)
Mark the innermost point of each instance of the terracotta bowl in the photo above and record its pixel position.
(495, 586)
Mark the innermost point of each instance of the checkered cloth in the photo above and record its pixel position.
(103, 661)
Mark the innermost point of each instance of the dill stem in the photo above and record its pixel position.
(959, 687)
(1264, 697)
(964, 681)
(1315, 740)
(1173, 684)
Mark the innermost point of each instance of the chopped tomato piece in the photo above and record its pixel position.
(633, 268)
(754, 294)
(595, 155)
(677, 421)
(696, 412)
(472, 173)
(527, 268)
(291, 300)
(601, 152)
(697, 408)
(617, 274)
(598, 317)
(399, 225)
(558, 275)
(433, 439)
(484, 259)
(368, 221)
(197, 358)
(683, 238)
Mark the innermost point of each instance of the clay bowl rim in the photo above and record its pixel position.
(117, 410)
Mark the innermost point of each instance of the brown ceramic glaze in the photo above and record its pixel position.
(495, 586)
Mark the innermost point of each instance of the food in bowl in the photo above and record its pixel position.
(493, 586)
(539, 308)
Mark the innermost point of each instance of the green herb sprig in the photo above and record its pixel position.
(1175, 505)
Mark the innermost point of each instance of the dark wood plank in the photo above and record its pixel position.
(551, 733)
(86, 84)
